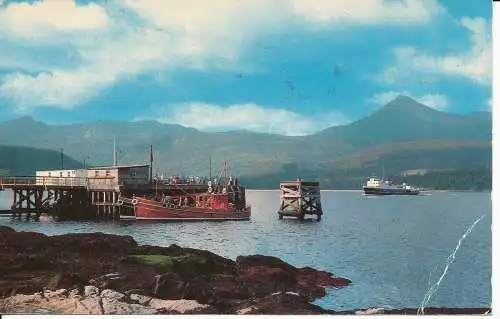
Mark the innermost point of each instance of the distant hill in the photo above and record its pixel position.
(402, 135)
(440, 163)
(404, 119)
(24, 161)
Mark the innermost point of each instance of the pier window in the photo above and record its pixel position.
(96, 173)
(107, 172)
(60, 174)
(69, 174)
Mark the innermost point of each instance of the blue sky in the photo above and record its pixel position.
(291, 66)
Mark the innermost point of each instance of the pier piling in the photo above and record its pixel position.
(300, 198)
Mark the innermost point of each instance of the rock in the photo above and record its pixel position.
(169, 286)
(279, 303)
(370, 311)
(180, 305)
(312, 277)
(74, 293)
(103, 282)
(115, 307)
(111, 294)
(90, 291)
(245, 262)
(96, 242)
(77, 262)
(88, 306)
(65, 306)
(61, 293)
(63, 279)
(6, 230)
(24, 299)
(140, 299)
(262, 273)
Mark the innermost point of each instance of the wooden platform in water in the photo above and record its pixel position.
(299, 198)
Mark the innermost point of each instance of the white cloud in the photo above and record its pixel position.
(435, 101)
(475, 64)
(249, 116)
(45, 17)
(122, 39)
(59, 88)
(386, 12)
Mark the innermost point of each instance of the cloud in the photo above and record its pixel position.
(435, 101)
(42, 18)
(249, 116)
(474, 65)
(372, 12)
(59, 88)
(117, 40)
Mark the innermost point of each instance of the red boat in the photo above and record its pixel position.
(222, 201)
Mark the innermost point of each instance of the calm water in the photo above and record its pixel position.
(388, 246)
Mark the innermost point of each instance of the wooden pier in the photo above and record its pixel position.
(300, 198)
(75, 198)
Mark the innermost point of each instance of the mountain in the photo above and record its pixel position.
(177, 150)
(404, 119)
(402, 135)
(24, 161)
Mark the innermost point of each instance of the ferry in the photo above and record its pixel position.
(379, 186)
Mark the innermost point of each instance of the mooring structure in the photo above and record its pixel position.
(67, 196)
(300, 198)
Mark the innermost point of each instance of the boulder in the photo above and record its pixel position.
(180, 305)
(88, 306)
(245, 262)
(111, 294)
(116, 307)
(90, 291)
(169, 286)
(140, 299)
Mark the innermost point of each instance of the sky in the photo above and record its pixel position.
(291, 67)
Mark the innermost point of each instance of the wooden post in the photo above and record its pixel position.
(299, 198)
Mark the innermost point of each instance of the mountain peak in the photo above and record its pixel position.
(403, 100)
(23, 120)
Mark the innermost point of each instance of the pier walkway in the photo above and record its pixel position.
(81, 197)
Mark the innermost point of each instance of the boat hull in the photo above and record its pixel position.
(145, 209)
(389, 191)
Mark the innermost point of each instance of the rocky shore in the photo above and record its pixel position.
(107, 274)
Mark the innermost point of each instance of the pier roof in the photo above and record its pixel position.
(119, 166)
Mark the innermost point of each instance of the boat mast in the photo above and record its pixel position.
(114, 150)
(210, 166)
(225, 171)
(151, 163)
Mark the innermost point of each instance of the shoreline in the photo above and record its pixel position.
(96, 273)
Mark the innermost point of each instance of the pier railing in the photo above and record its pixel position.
(107, 182)
(44, 181)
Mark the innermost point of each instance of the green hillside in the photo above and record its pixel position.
(24, 161)
(404, 119)
(403, 135)
(441, 163)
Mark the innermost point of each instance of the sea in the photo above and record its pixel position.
(395, 249)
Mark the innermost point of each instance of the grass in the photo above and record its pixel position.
(154, 260)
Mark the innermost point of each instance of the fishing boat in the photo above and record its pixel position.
(379, 186)
(223, 200)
